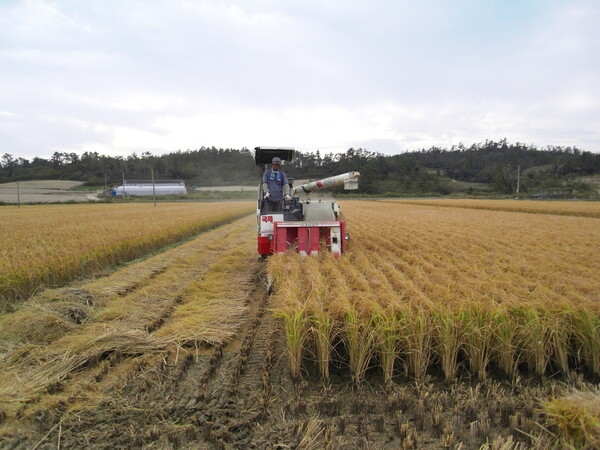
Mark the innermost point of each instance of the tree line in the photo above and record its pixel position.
(493, 167)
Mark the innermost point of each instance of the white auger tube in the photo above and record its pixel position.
(349, 180)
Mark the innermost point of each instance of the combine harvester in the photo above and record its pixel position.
(304, 226)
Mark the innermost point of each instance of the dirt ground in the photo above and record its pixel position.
(241, 396)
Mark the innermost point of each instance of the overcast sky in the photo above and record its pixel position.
(124, 76)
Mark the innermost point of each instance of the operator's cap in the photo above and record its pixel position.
(276, 160)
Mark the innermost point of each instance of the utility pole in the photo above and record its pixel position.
(518, 177)
(153, 188)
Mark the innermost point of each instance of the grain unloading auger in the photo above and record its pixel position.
(304, 225)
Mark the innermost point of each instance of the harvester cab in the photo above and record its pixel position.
(304, 225)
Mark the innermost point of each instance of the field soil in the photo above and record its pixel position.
(44, 191)
(239, 394)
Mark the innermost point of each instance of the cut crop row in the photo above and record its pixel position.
(185, 298)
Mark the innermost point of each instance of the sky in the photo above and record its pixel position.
(119, 77)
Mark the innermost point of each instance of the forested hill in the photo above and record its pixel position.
(490, 167)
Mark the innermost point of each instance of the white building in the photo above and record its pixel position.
(144, 187)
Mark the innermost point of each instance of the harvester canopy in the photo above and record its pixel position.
(264, 155)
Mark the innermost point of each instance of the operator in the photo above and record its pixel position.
(275, 187)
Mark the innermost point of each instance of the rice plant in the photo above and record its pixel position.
(504, 345)
(322, 332)
(560, 329)
(416, 338)
(478, 334)
(294, 325)
(180, 299)
(533, 339)
(388, 334)
(448, 340)
(586, 326)
(359, 335)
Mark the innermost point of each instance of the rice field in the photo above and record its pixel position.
(49, 245)
(443, 326)
(567, 208)
(467, 289)
(77, 345)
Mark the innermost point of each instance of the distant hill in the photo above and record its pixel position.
(489, 168)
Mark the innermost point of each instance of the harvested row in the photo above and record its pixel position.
(59, 344)
(41, 248)
(460, 291)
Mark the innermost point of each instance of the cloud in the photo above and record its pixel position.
(123, 77)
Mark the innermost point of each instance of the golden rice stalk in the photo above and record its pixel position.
(311, 435)
(560, 334)
(519, 295)
(417, 342)
(533, 339)
(294, 324)
(313, 284)
(388, 332)
(82, 350)
(359, 337)
(586, 326)
(322, 331)
(478, 333)
(33, 324)
(212, 309)
(504, 347)
(577, 209)
(289, 305)
(447, 327)
(203, 321)
(135, 230)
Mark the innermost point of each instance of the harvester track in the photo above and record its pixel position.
(216, 396)
(240, 383)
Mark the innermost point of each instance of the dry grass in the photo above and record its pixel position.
(575, 419)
